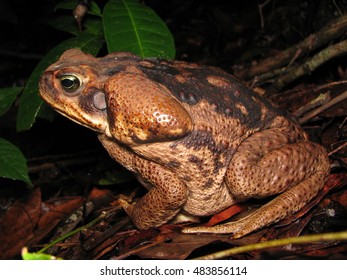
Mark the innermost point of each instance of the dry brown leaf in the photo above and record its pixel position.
(17, 225)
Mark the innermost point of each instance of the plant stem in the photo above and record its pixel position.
(101, 217)
(276, 243)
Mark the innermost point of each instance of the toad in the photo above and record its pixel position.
(196, 137)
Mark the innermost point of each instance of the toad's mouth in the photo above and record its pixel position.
(86, 122)
(90, 116)
(73, 112)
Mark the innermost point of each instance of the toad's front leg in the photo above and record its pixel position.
(166, 195)
(268, 163)
(163, 201)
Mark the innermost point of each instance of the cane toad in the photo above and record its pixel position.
(198, 139)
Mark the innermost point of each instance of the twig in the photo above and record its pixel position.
(310, 65)
(276, 243)
(71, 222)
(330, 31)
(337, 7)
(260, 9)
(295, 57)
(270, 76)
(318, 101)
(324, 107)
(338, 149)
(102, 216)
(329, 85)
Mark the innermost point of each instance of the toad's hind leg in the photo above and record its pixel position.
(269, 163)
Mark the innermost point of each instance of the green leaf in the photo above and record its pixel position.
(12, 163)
(65, 23)
(37, 256)
(133, 27)
(30, 101)
(94, 9)
(7, 97)
(68, 24)
(66, 5)
(94, 26)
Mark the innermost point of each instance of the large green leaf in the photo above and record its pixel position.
(30, 101)
(12, 162)
(133, 27)
(7, 97)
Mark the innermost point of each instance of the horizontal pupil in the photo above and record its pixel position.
(68, 83)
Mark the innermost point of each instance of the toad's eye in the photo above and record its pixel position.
(70, 83)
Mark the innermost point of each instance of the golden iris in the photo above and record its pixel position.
(70, 83)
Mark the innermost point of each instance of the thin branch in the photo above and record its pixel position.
(102, 216)
(260, 9)
(338, 149)
(276, 243)
(318, 101)
(313, 63)
(337, 7)
(324, 107)
(329, 32)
